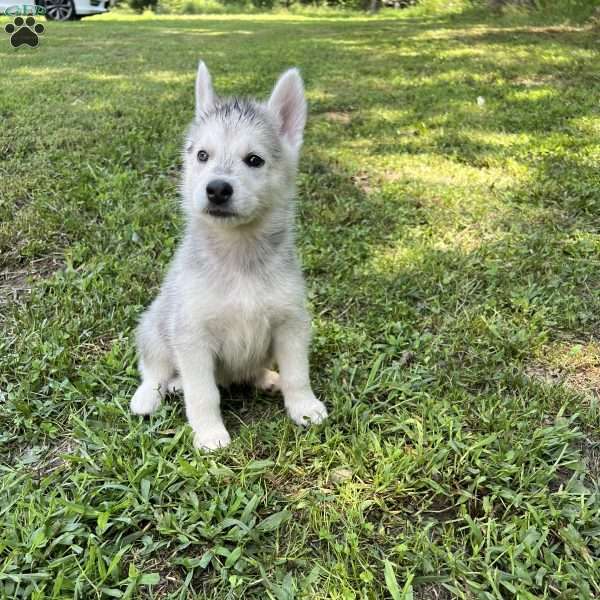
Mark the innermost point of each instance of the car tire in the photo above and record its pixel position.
(60, 10)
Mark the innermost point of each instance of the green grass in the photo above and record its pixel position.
(451, 250)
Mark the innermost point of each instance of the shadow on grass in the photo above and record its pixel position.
(387, 281)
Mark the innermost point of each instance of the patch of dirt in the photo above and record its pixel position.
(96, 347)
(171, 575)
(584, 381)
(439, 509)
(362, 181)
(432, 592)
(16, 282)
(392, 176)
(536, 81)
(576, 366)
(54, 459)
(338, 117)
(591, 454)
(548, 375)
(43, 460)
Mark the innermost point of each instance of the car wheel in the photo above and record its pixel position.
(59, 10)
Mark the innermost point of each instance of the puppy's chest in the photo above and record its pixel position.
(242, 330)
(241, 324)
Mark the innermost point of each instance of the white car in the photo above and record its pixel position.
(55, 10)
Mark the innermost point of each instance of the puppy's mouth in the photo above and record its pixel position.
(220, 213)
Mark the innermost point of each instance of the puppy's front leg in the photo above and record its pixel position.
(291, 340)
(197, 369)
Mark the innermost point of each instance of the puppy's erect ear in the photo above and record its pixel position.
(205, 95)
(289, 105)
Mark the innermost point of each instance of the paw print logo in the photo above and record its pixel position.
(24, 31)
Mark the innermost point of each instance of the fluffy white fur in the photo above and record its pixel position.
(233, 301)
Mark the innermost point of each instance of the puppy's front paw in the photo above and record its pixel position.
(146, 400)
(212, 438)
(307, 411)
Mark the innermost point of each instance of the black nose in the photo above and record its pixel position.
(218, 191)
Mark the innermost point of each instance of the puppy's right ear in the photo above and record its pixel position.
(289, 105)
(205, 95)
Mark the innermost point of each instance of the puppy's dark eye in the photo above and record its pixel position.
(202, 155)
(253, 160)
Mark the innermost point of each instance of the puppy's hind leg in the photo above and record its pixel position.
(175, 385)
(156, 367)
(150, 392)
(268, 381)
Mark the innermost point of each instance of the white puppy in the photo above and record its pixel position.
(233, 300)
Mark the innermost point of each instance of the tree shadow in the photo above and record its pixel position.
(473, 303)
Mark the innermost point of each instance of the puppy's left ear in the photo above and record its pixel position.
(289, 105)
(205, 95)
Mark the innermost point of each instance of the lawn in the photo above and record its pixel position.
(449, 228)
